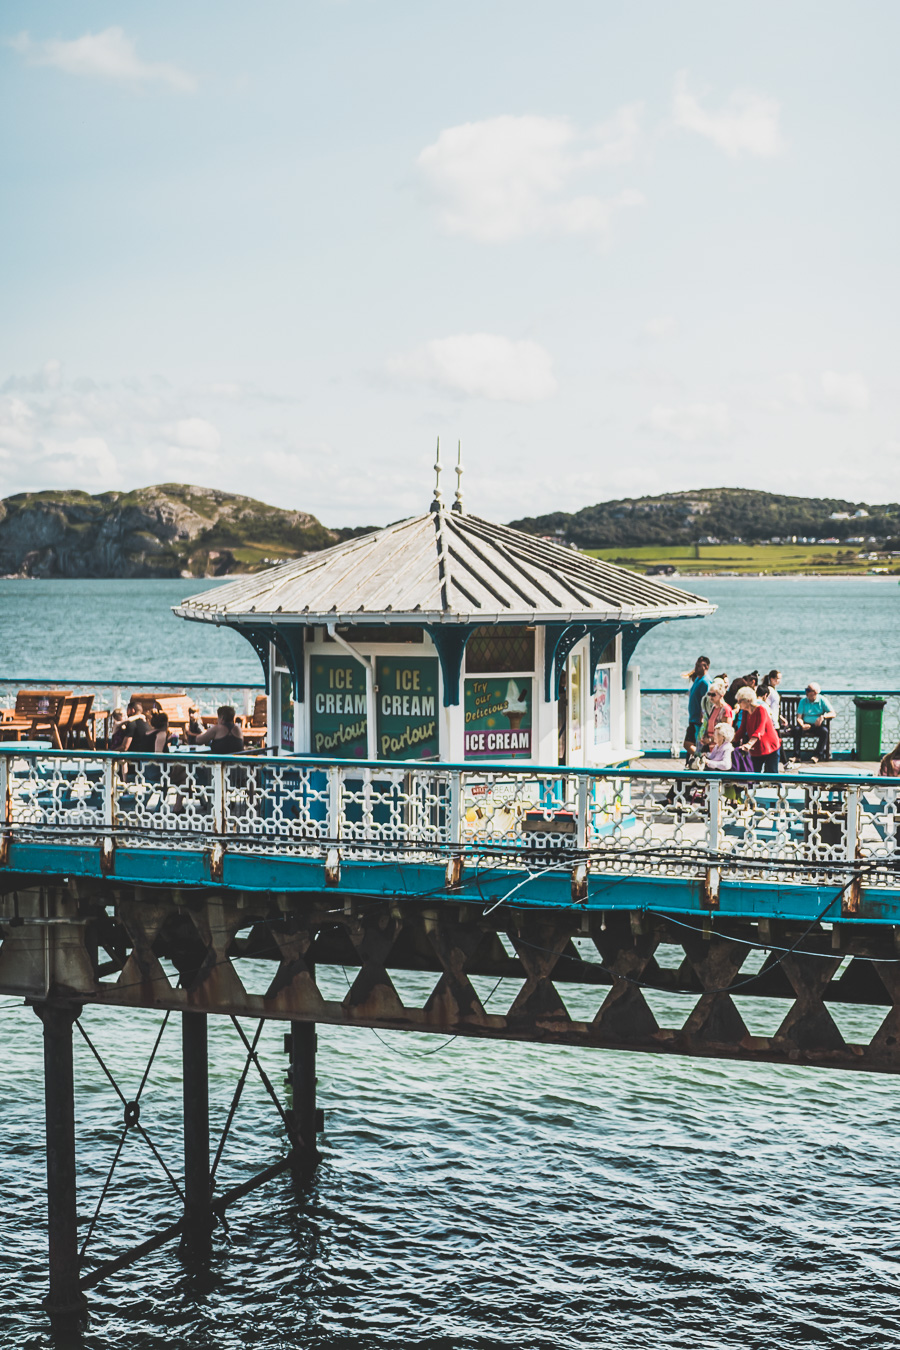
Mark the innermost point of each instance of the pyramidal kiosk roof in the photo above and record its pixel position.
(351, 635)
(445, 567)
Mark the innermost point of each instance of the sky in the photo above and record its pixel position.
(613, 247)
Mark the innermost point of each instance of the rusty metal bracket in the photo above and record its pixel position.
(579, 886)
(709, 888)
(851, 899)
(332, 868)
(453, 872)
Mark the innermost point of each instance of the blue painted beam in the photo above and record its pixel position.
(426, 881)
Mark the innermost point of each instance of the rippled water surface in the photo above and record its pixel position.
(470, 1194)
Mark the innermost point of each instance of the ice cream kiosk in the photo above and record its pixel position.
(451, 639)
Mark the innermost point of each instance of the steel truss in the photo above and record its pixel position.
(106, 944)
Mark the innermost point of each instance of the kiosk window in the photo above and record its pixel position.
(497, 649)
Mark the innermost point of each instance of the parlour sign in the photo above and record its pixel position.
(407, 707)
(498, 718)
(338, 712)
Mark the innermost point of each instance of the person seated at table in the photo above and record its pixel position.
(195, 725)
(225, 737)
(116, 730)
(813, 715)
(159, 733)
(756, 733)
(139, 735)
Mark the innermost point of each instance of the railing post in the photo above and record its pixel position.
(676, 744)
(581, 825)
(5, 808)
(108, 844)
(714, 797)
(713, 878)
(455, 808)
(219, 798)
(335, 803)
(851, 834)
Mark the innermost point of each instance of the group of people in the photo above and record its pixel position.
(745, 716)
(132, 731)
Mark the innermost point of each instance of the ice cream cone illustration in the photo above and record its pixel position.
(516, 707)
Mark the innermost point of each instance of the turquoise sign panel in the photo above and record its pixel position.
(407, 707)
(338, 712)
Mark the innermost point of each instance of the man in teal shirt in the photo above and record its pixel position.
(813, 715)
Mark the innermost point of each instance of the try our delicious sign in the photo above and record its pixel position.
(407, 707)
(498, 718)
(338, 707)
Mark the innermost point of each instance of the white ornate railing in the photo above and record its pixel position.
(800, 829)
(664, 720)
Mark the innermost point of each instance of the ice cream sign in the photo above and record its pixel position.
(498, 718)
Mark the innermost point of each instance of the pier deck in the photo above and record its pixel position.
(548, 905)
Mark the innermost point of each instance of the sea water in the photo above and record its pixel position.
(474, 1195)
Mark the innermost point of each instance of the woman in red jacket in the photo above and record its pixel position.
(757, 734)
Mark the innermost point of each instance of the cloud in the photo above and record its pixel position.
(844, 393)
(691, 422)
(48, 377)
(662, 326)
(481, 365)
(109, 55)
(507, 176)
(747, 124)
(80, 433)
(85, 462)
(195, 433)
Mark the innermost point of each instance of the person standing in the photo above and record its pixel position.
(699, 690)
(756, 734)
(768, 692)
(717, 711)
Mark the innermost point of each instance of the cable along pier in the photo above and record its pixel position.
(523, 844)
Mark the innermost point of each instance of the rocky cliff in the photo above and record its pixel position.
(166, 531)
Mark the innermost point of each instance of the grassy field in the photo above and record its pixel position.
(827, 559)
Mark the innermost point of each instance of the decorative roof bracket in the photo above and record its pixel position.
(288, 640)
(559, 639)
(600, 637)
(631, 636)
(450, 641)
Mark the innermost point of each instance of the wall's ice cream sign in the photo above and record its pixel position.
(498, 718)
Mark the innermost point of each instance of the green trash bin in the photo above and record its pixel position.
(869, 713)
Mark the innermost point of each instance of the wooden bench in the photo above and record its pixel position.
(793, 735)
(37, 716)
(77, 722)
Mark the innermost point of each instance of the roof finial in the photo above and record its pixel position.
(437, 504)
(457, 505)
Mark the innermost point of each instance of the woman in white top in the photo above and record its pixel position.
(771, 697)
